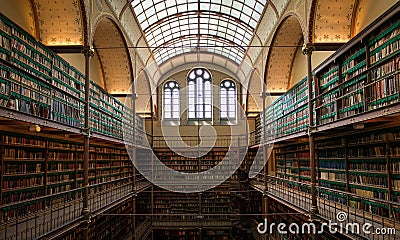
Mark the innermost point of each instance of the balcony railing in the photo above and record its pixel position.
(332, 203)
(61, 209)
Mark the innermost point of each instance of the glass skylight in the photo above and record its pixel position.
(222, 27)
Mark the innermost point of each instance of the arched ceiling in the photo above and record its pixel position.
(280, 58)
(116, 65)
(224, 27)
(333, 20)
(60, 22)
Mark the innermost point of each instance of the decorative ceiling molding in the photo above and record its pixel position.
(280, 58)
(113, 54)
(34, 15)
(60, 22)
(280, 5)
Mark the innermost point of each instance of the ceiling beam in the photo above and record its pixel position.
(327, 46)
(66, 49)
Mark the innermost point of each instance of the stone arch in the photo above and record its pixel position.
(111, 47)
(287, 38)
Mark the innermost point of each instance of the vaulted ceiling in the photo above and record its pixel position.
(115, 61)
(280, 58)
(174, 27)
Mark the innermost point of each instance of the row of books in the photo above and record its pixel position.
(27, 39)
(329, 77)
(375, 166)
(369, 179)
(5, 43)
(375, 151)
(386, 47)
(31, 58)
(41, 61)
(333, 176)
(18, 140)
(11, 168)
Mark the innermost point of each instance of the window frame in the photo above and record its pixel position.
(171, 107)
(228, 102)
(204, 98)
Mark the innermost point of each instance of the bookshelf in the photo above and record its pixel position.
(357, 169)
(113, 224)
(287, 115)
(38, 166)
(366, 165)
(359, 78)
(38, 82)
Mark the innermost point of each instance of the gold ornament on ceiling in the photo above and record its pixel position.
(333, 20)
(60, 22)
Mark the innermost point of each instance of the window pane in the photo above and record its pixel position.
(201, 93)
(223, 96)
(223, 114)
(224, 108)
(167, 113)
(232, 115)
(207, 115)
(192, 115)
(175, 115)
(171, 100)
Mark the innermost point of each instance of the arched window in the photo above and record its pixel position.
(171, 100)
(228, 100)
(199, 94)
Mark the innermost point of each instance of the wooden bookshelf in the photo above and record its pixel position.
(356, 169)
(38, 82)
(35, 166)
(363, 76)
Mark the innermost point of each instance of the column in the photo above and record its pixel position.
(88, 53)
(307, 50)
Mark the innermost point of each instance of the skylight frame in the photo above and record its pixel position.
(165, 23)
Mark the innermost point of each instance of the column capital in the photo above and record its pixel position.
(88, 51)
(307, 49)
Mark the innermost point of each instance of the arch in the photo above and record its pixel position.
(254, 104)
(114, 56)
(288, 36)
(367, 11)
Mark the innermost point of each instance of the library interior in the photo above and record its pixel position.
(200, 119)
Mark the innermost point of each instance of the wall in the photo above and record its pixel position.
(299, 69)
(181, 78)
(368, 11)
(19, 11)
(78, 61)
(191, 130)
